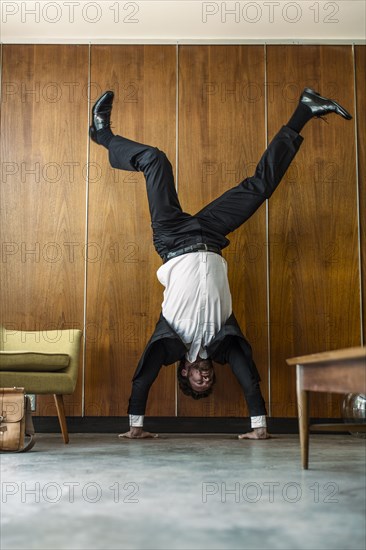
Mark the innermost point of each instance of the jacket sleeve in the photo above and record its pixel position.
(219, 349)
(145, 377)
(164, 348)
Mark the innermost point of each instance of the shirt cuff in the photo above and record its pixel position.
(258, 422)
(136, 420)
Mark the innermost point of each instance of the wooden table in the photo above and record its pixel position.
(338, 371)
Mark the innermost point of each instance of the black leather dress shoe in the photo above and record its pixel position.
(321, 105)
(101, 114)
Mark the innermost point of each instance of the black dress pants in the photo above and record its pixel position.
(173, 228)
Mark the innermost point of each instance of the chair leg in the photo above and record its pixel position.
(61, 416)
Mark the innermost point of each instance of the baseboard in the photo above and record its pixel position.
(168, 424)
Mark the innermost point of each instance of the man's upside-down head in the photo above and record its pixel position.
(196, 379)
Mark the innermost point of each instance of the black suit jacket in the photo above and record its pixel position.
(175, 350)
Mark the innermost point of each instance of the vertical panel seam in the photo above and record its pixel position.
(267, 242)
(86, 238)
(176, 178)
(1, 70)
(357, 192)
(1, 80)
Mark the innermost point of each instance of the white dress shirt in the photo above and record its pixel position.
(197, 298)
(197, 303)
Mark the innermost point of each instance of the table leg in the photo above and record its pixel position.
(303, 413)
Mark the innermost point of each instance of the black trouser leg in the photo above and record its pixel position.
(235, 206)
(125, 154)
(171, 226)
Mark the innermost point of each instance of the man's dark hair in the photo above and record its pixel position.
(185, 386)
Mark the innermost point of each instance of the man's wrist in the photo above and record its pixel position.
(136, 420)
(258, 421)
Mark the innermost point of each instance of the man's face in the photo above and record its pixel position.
(200, 374)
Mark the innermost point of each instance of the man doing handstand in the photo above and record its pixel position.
(197, 324)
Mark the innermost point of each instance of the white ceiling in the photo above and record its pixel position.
(183, 21)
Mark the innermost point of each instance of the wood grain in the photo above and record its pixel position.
(314, 298)
(221, 138)
(124, 297)
(43, 153)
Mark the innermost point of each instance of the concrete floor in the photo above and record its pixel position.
(184, 492)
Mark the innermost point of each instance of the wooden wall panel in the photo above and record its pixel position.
(360, 65)
(314, 272)
(124, 297)
(221, 138)
(43, 154)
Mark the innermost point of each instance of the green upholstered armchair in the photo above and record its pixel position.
(44, 362)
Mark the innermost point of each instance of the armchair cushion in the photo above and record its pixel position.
(62, 342)
(28, 361)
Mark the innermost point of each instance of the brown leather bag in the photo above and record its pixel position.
(15, 421)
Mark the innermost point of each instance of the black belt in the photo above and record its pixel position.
(192, 248)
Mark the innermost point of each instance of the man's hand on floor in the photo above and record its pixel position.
(257, 433)
(137, 433)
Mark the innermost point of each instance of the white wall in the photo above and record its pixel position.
(182, 21)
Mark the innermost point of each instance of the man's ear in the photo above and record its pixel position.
(184, 372)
